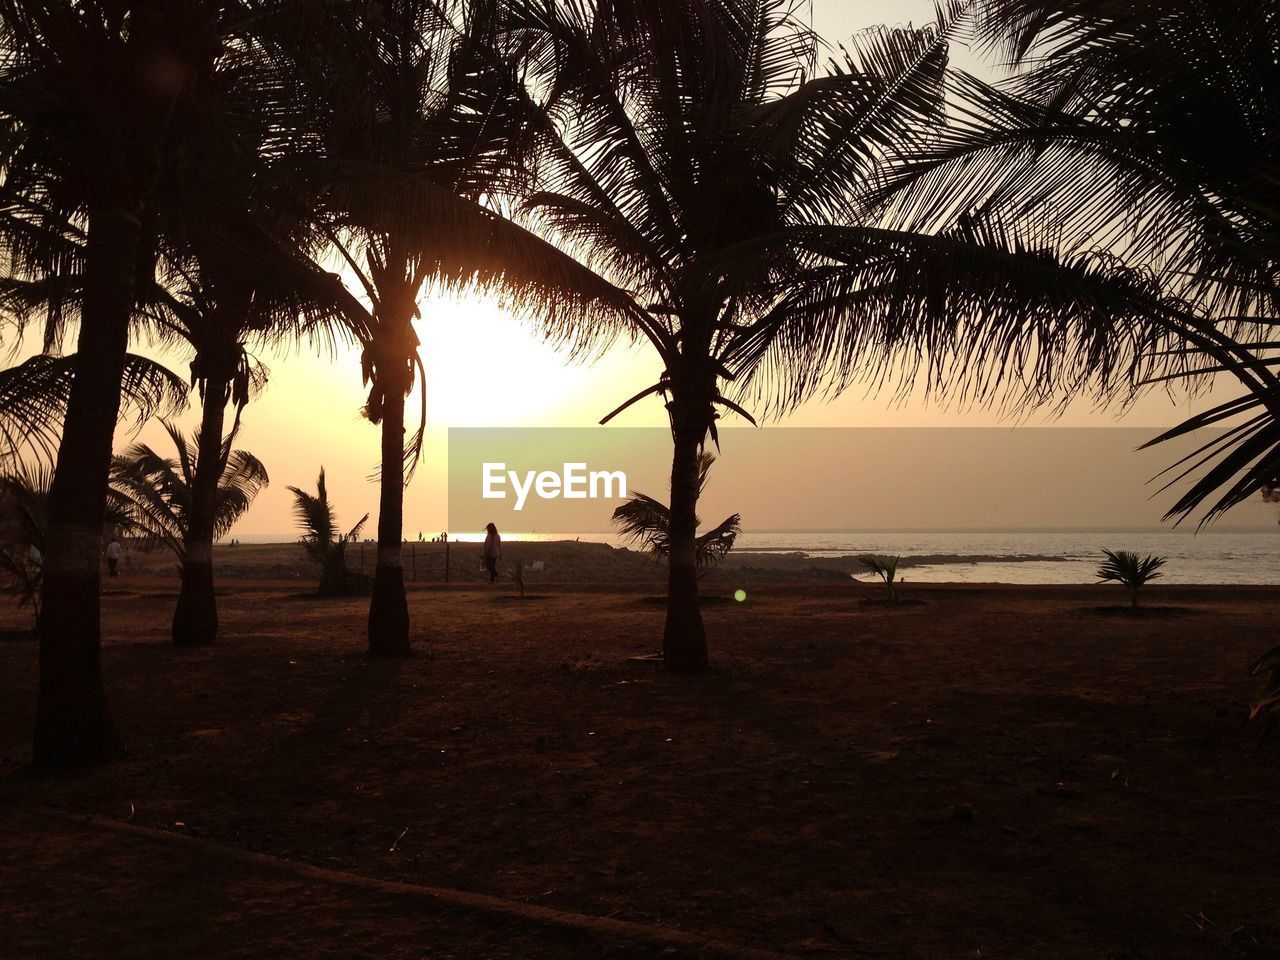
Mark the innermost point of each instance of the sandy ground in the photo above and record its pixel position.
(988, 772)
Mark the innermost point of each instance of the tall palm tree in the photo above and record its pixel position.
(218, 299)
(230, 283)
(159, 492)
(234, 271)
(1143, 129)
(701, 159)
(411, 126)
(94, 96)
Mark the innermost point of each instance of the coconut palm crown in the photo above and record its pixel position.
(158, 489)
(1142, 131)
(702, 158)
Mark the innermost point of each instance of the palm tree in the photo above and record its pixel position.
(1142, 129)
(33, 401)
(233, 289)
(232, 282)
(94, 96)
(886, 568)
(411, 126)
(322, 537)
(159, 491)
(1131, 570)
(235, 272)
(701, 159)
(24, 526)
(647, 521)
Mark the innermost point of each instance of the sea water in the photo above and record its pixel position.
(1213, 556)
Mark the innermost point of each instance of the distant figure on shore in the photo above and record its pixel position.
(492, 551)
(113, 558)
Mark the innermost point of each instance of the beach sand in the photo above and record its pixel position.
(986, 772)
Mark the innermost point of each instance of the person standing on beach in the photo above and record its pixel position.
(113, 557)
(492, 551)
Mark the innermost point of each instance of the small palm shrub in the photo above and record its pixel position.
(647, 521)
(1268, 702)
(323, 541)
(1131, 570)
(886, 568)
(515, 574)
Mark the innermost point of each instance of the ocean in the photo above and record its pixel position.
(1215, 556)
(1048, 556)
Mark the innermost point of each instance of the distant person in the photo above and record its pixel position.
(492, 551)
(113, 558)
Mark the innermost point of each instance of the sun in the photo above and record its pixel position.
(486, 368)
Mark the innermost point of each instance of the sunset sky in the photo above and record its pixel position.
(485, 369)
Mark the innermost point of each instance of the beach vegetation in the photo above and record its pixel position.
(1140, 130)
(324, 542)
(886, 568)
(708, 162)
(646, 521)
(24, 525)
(696, 177)
(1268, 702)
(99, 100)
(1131, 570)
(158, 493)
(516, 574)
(406, 122)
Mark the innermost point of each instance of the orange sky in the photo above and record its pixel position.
(485, 369)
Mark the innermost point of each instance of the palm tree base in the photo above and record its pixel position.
(73, 724)
(388, 614)
(195, 620)
(684, 639)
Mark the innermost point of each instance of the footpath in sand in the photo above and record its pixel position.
(89, 887)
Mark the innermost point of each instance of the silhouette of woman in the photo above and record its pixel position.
(492, 551)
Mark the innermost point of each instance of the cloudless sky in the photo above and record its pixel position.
(483, 368)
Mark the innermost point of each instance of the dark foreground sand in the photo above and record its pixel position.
(991, 772)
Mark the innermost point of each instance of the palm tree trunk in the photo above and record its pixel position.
(684, 640)
(388, 609)
(73, 724)
(195, 620)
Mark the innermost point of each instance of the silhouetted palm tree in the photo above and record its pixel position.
(408, 124)
(235, 272)
(95, 96)
(24, 526)
(1132, 570)
(235, 285)
(232, 283)
(1145, 130)
(323, 539)
(700, 158)
(647, 521)
(33, 401)
(159, 491)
